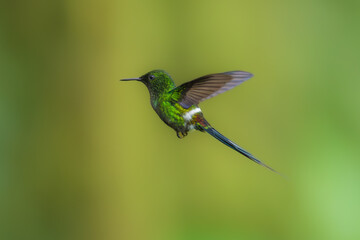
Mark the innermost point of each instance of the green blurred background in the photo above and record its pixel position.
(83, 156)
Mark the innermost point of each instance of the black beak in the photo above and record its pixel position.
(131, 79)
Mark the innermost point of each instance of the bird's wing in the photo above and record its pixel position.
(200, 89)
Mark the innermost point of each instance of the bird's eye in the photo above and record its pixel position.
(151, 77)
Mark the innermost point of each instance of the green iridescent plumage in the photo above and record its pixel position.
(178, 106)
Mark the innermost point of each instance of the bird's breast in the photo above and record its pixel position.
(175, 116)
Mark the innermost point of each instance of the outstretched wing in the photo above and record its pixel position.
(200, 89)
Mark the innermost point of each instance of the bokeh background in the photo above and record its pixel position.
(83, 156)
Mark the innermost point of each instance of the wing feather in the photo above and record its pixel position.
(200, 89)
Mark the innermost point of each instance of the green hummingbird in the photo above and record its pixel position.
(178, 106)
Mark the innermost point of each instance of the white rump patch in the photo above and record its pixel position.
(191, 127)
(188, 116)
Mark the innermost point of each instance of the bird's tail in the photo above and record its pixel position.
(205, 126)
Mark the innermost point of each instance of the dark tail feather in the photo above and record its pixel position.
(234, 146)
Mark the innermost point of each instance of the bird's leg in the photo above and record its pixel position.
(181, 134)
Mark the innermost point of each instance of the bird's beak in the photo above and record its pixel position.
(131, 79)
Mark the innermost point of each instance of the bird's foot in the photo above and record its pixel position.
(181, 134)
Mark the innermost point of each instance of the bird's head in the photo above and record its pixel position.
(156, 81)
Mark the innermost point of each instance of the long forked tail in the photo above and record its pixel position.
(204, 125)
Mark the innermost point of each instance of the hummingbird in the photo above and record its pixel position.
(178, 106)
